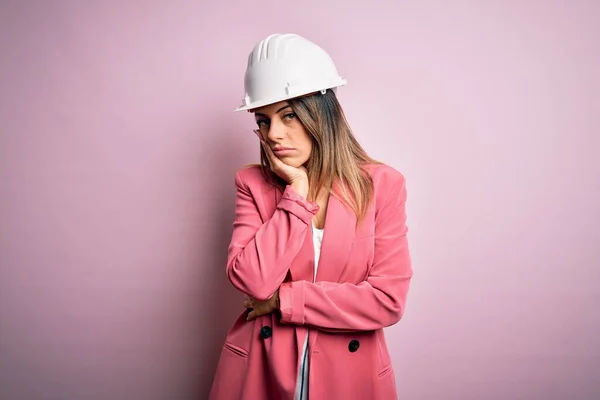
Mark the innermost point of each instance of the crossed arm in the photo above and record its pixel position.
(260, 255)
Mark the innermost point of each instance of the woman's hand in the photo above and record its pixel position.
(260, 308)
(297, 177)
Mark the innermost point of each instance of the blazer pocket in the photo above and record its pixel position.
(238, 351)
(230, 376)
(384, 372)
(386, 384)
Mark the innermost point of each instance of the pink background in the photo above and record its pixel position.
(118, 146)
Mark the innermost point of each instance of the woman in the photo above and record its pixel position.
(319, 242)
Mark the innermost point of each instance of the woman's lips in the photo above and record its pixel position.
(282, 151)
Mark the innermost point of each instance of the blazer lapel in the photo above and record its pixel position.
(340, 226)
(302, 268)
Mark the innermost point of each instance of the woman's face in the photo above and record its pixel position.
(284, 133)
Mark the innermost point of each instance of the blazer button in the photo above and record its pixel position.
(266, 332)
(353, 346)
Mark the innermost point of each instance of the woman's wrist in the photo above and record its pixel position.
(300, 186)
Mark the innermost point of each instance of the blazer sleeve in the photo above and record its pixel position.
(260, 254)
(377, 302)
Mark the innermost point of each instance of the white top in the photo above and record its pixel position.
(317, 240)
(302, 387)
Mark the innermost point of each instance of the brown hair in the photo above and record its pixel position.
(336, 154)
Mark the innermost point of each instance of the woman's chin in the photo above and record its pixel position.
(291, 162)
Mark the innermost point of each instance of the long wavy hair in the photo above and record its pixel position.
(337, 160)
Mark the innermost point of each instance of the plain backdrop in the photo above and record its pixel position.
(119, 144)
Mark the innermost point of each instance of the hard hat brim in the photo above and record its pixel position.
(266, 102)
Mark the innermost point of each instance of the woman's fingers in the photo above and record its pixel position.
(271, 157)
(257, 308)
(257, 312)
(274, 161)
(249, 304)
(280, 168)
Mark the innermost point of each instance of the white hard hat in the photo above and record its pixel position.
(283, 66)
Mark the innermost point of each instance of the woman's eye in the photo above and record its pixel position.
(289, 116)
(261, 122)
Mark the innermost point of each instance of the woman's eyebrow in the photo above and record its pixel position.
(276, 112)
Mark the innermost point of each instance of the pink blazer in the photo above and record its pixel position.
(361, 287)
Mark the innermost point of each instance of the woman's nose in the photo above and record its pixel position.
(276, 130)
